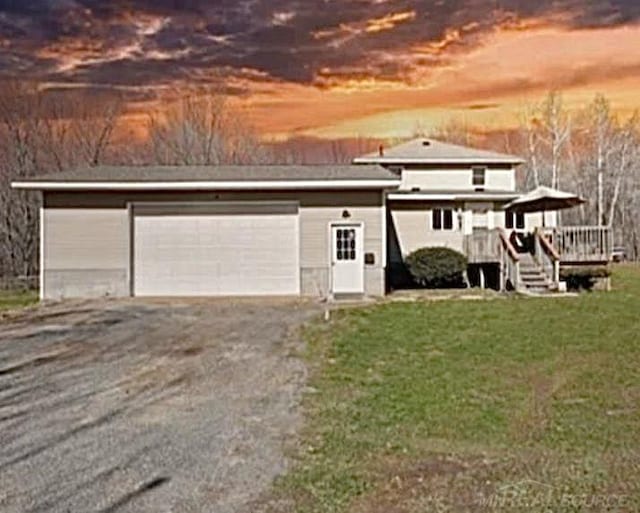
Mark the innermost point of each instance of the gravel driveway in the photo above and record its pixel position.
(132, 406)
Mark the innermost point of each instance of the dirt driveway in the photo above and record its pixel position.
(130, 406)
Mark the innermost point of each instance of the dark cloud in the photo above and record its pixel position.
(143, 42)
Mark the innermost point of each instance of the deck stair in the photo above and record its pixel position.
(533, 277)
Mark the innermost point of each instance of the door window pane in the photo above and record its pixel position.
(508, 220)
(448, 219)
(346, 244)
(514, 220)
(437, 219)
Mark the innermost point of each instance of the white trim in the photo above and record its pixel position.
(131, 249)
(346, 222)
(383, 263)
(210, 185)
(428, 161)
(421, 196)
(417, 196)
(41, 256)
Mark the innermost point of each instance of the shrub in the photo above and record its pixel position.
(437, 267)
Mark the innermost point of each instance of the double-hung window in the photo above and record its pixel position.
(442, 219)
(479, 176)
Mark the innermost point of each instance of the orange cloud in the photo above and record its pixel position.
(505, 70)
(388, 22)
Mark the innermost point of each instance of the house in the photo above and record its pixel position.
(321, 231)
(447, 194)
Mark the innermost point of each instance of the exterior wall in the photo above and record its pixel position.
(412, 224)
(86, 237)
(456, 178)
(85, 252)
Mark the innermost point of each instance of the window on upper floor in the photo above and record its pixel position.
(479, 176)
(442, 219)
(514, 220)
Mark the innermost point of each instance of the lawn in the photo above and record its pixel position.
(518, 404)
(13, 299)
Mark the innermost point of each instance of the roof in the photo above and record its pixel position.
(212, 177)
(453, 195)
(430, 151)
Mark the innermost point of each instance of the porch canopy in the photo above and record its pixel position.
(543, 199)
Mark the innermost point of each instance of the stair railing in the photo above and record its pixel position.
(547, 256)
(510, 262)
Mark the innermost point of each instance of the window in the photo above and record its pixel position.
(442, 219)
(514, 220)
(479, 176)
(346, 244)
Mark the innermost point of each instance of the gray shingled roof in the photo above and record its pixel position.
(424, 150)
(132, 174)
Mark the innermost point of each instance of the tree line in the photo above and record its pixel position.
(593, 152)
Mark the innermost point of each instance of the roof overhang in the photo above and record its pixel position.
(434, 161)
(207, 185)
(462, 196)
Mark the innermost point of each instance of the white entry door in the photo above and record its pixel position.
(347, 259)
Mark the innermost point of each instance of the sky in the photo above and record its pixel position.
(333, 68)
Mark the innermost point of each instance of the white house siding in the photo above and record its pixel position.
(412, 224)
(456, 179)
(500, 180)
(87, 248)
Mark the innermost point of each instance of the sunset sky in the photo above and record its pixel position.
(334, 68)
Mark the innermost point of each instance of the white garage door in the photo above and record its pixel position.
(222, 250)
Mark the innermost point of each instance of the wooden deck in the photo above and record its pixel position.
(582, 245)
(547, 250)
(575, 245)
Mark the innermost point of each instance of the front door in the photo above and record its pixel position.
(347, 264)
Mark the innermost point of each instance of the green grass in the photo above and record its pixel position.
(14, 299)
(420, 406)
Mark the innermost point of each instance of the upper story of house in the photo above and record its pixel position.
(426, 165)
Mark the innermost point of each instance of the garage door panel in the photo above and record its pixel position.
(216, 254)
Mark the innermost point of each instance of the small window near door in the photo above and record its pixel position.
(346, 244)
(514, 220)
(479, 176)
(442, 219)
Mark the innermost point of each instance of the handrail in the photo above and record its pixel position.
(506, 244)
(547, 255)
(510, 262)
(546, 245)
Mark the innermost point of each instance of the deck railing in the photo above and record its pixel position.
(482, 247)
(547, 256)
(509, 262)
(581, 244)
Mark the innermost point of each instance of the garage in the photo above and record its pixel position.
(233, 249)
(255, 230)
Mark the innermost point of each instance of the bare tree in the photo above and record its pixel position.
(42, 132)
(555, 125)
(531, 142)
(202, 129)
(546, 132)
(454, 131)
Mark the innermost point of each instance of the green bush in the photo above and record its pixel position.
(437, 267)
